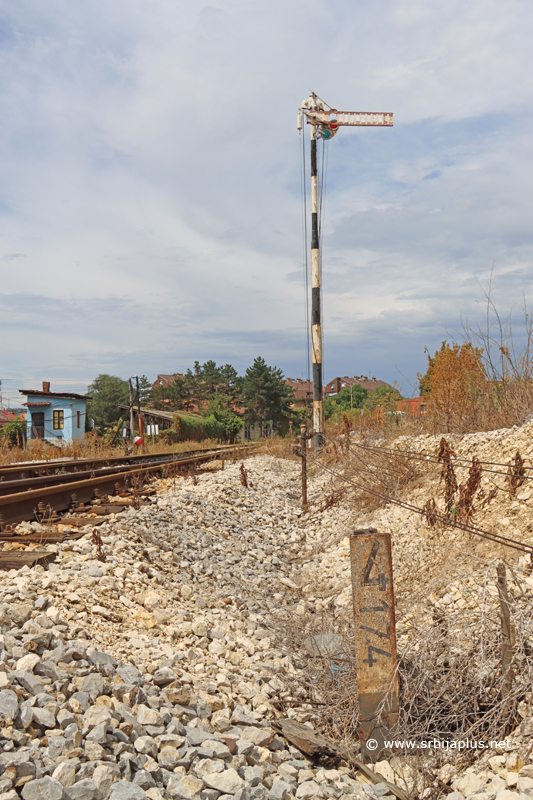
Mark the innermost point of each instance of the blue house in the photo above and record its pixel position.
(57, 417)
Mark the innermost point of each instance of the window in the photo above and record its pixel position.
(59, 420)
(78, 418)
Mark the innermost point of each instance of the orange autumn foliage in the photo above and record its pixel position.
(456, 387)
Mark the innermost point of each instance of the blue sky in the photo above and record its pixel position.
(150, 209)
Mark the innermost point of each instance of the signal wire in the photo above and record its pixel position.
(493, 537)
(432, 460)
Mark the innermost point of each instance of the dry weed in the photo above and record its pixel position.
(467, 493)
(97, 541)
(515, 474)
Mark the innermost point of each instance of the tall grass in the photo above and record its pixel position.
(93, 446)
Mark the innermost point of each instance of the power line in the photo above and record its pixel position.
(432, 460)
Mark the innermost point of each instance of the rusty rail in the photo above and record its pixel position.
(37, 469)
(19, 506)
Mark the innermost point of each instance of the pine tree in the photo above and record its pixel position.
(266, 396)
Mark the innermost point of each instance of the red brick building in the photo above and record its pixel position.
(414, 407)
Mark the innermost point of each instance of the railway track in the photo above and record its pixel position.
(20, 499)
(37, 469)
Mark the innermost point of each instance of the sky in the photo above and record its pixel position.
(150, 183)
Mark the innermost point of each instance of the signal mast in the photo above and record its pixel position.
(325, 123)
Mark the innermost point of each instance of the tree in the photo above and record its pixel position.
(197, 387)
(107, 392)
(456, 385)
(174, 397)
(145, 387)
(348, 398)
(208, 379)
(219, 408)
(266, 396)
(385, 398)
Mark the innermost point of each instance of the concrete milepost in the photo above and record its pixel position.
(375, 627)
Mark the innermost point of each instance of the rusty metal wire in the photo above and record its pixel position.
(445, 521)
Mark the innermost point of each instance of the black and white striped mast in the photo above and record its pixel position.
(324, 122)
(316, 322)
(314, 104)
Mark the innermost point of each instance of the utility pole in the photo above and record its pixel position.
(324, 123)
(131, 410)
(139, 413)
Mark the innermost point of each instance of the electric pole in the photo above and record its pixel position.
(324, 123)
(131, 411)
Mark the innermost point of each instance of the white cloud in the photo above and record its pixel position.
(149, 178)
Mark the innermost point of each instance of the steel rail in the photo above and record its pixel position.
(26, 485)
(35, 469)
(20, 506)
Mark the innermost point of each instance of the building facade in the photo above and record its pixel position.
(338, 384)
(56, 417)
(303, 392)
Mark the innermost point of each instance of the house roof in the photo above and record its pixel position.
(368, 383)
(68, 395)
(303, 390)
(37, 404)
(153, 412)
(6, 416)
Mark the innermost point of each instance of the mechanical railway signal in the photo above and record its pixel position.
(325, 123)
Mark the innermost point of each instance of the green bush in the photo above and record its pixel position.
(14, 432)
(192, 429)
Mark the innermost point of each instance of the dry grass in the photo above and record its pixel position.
(368, 460)
(326, 685)
(452, 684)
(92, 447)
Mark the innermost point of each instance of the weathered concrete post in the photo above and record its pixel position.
(375, 629)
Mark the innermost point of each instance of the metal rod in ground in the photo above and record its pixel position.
(375, 638)
(507, 632)
(316, 325)
(303, 448)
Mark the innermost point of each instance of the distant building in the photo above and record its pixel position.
(338, 384)
(165, 380)
(6, 416)
(303, 392)
(56, 417)
(414, 407)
